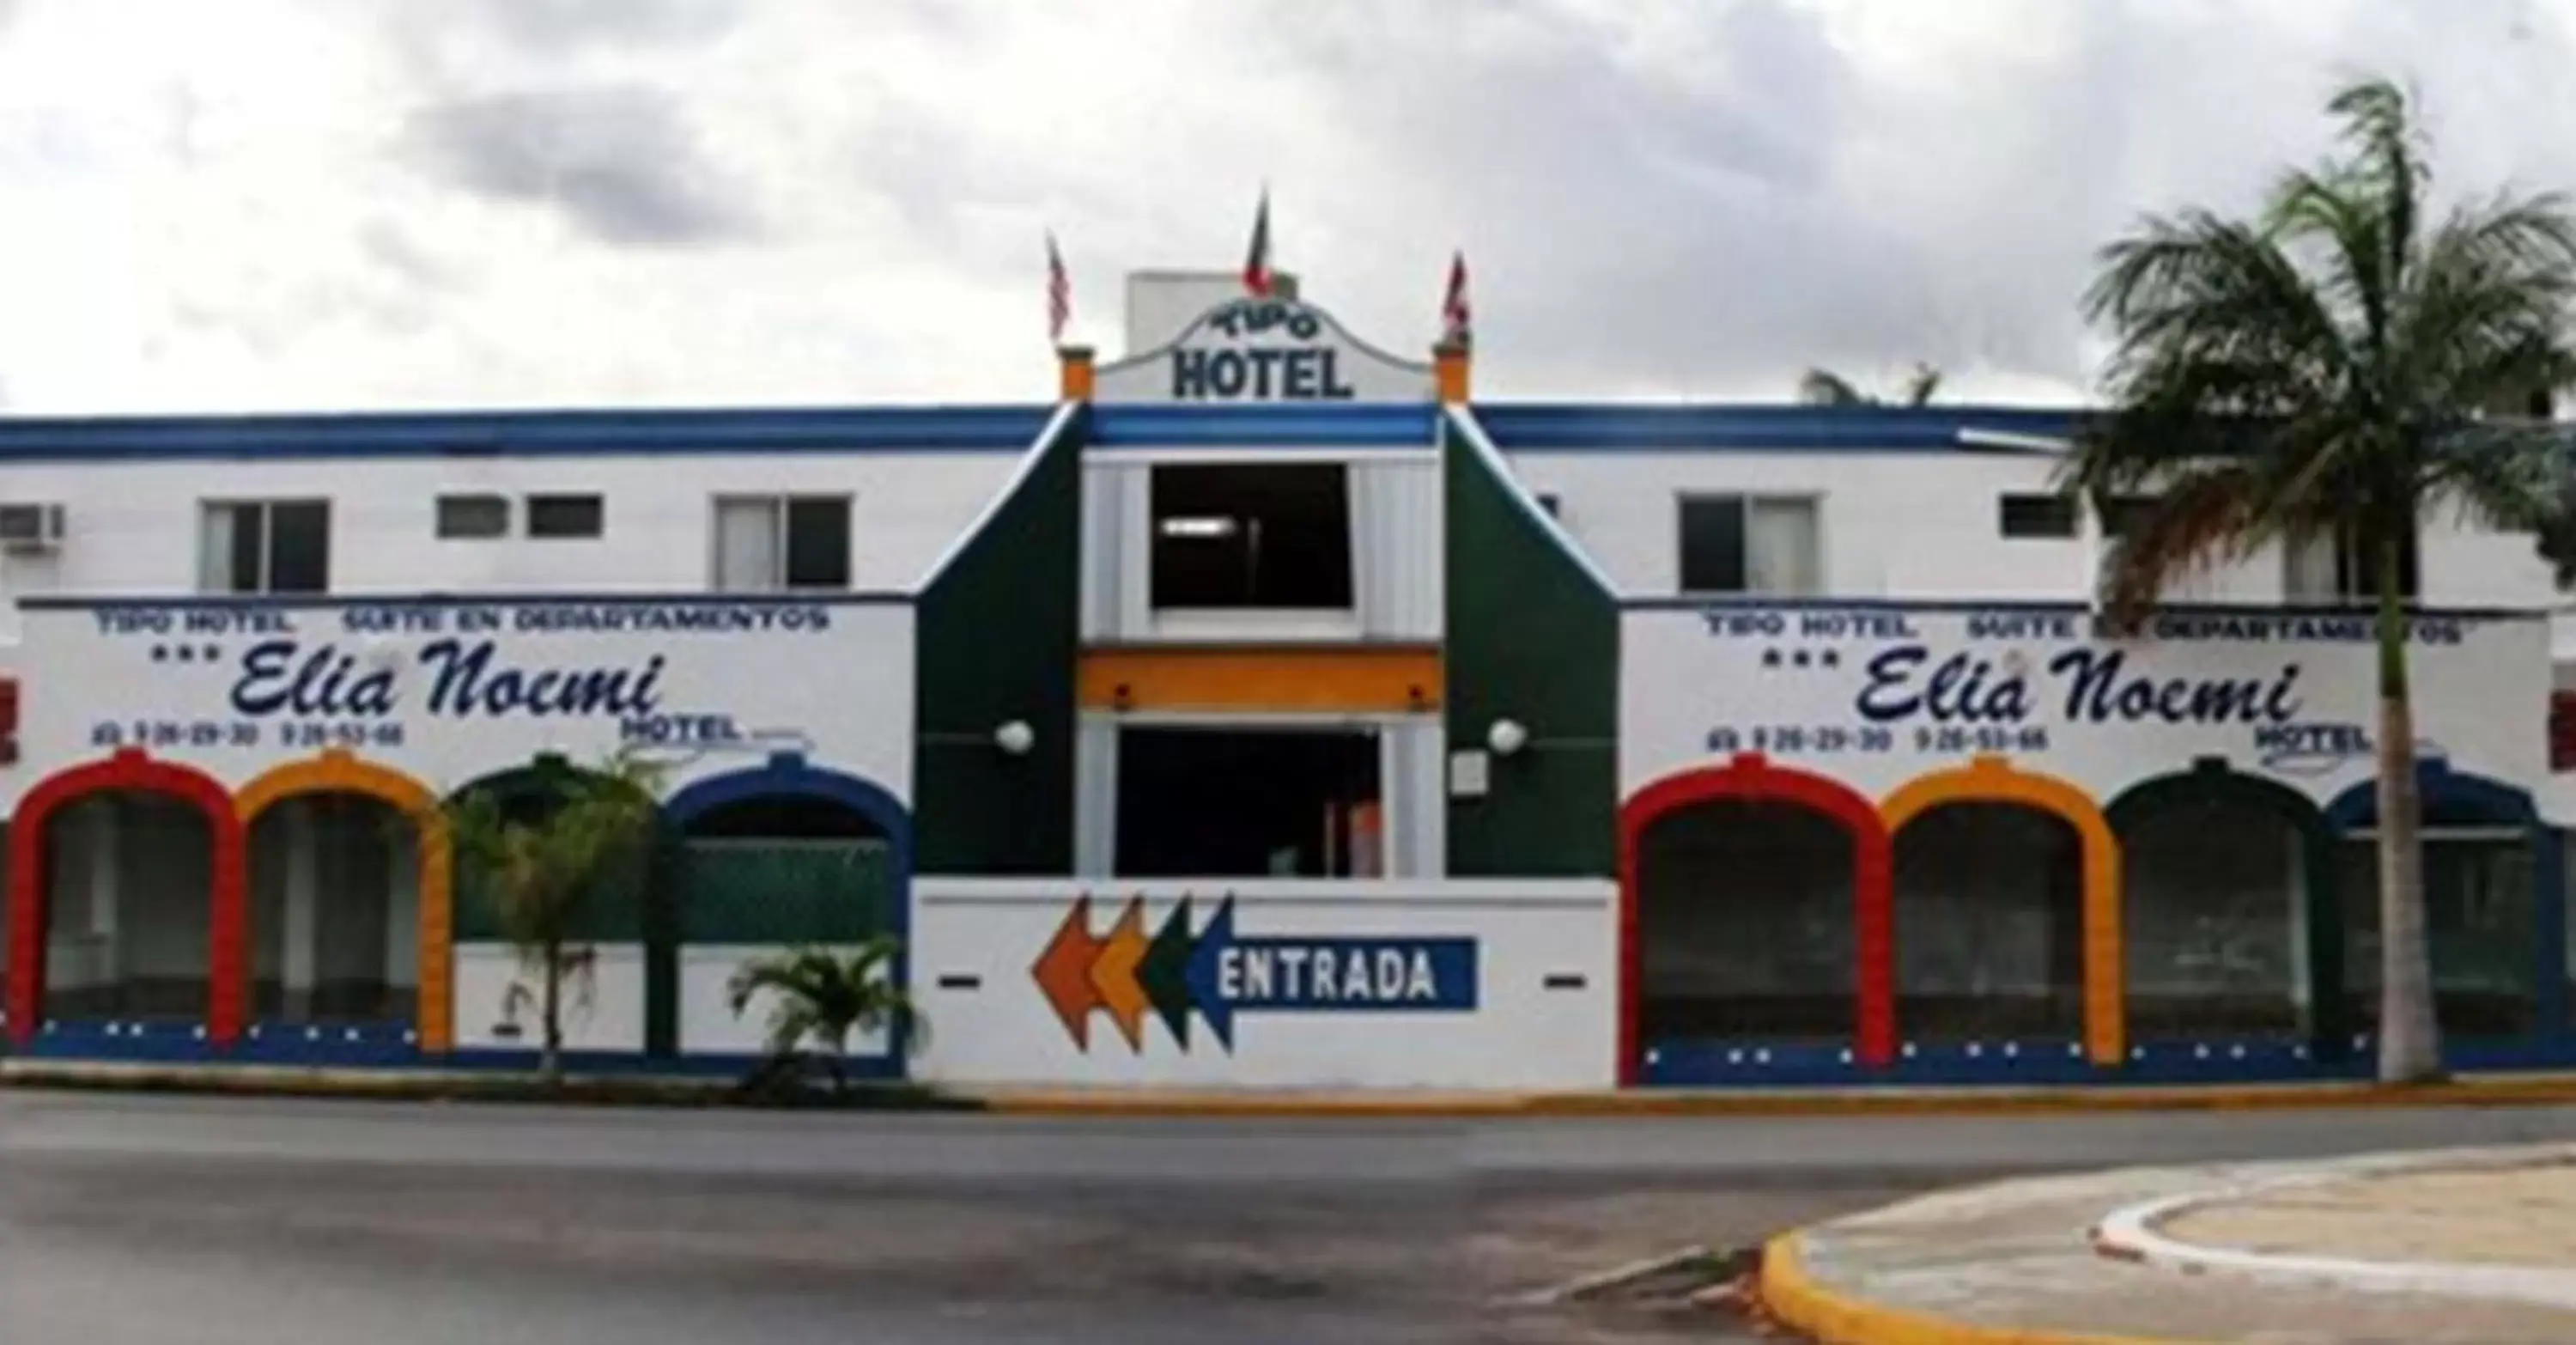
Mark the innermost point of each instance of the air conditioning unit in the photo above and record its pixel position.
(30, 529)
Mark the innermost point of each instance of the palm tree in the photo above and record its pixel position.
(822, 996)
(542, 869)
(1824, 387)
(2317, 372)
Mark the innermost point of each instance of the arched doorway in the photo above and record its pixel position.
(2007, 910)
(781, 856)
(2229, 909)
(2488, 867)
(350, 896)
(494, 992)
(1756, 907)
(125, 889)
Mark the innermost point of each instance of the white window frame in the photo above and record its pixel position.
(778, 502)
(232, 505)
(1813, 500)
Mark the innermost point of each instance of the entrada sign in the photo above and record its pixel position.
(1218, 974)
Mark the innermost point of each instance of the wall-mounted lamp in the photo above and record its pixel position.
(1015, 737)
(1506, 737)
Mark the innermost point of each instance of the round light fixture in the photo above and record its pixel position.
(1506, 737)
(1015, 737)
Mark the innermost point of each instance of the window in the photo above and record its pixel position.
(473, 517)
(769, 542)
(1258, 535)
(1749, 544)
(265, 546)
(566, 516)
(2121, 514)
(2337, 569)
(2036, 515)
(1550, 505)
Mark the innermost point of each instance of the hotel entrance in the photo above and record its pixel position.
(1238, 802)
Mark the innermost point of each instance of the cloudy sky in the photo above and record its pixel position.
(378, 203)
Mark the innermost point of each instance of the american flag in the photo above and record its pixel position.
(1059, 292)
(1455, 317)
(1256, 262)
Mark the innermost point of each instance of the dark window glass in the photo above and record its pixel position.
(2037, 515)
(1551, 506)
(2121, 514)
(299, 547)
(250, 547)
(2355, 579)
(1713, 544)
(818, 543)
(566, 515)
(473, 516)
(1265, 535)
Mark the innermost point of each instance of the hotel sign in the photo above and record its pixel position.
(1879, 694)
(1265, 350)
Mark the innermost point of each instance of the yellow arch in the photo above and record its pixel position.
(1991, 779)
(336, 771)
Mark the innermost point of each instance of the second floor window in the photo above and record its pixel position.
(566, 516)
(2337, 569)
(1264, 536)
(765, 543)
(264, 546)
(1754, 544)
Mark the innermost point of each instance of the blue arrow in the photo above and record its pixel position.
(1205, 958)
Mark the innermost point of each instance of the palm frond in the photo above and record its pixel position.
(1922, 386)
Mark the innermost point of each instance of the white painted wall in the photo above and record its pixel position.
(132, 528)
(612, 1020)
(1520, 1035)
(1924, 525)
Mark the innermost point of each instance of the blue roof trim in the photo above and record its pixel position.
(2049, 606)
(1547, 427)
(56, 602)
(1266, 424)
(949, 429)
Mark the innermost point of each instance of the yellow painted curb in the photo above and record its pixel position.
(1799, 1299)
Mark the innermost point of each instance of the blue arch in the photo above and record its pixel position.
(2443, 789)
(789, 774)
(2439, 788)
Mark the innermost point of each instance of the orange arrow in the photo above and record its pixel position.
(1113, 974)
(1063, 972)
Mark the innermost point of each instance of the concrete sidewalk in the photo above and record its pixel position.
(2468, 1246)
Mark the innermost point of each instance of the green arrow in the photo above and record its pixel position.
(1165, 973)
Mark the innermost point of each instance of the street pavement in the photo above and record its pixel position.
(180, 1221)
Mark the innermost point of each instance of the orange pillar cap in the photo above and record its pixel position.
(1449, 362)
(1076, 369)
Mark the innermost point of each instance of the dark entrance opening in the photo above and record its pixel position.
(1745, 915)
(1237, 803)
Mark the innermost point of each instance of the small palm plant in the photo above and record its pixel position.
(819, 996)
(542, 870)
(1824, 387)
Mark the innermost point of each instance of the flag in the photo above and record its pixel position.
(1455, 317)
(1256, 263)
(1059, 292)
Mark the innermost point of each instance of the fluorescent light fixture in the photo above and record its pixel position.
(1200, 527)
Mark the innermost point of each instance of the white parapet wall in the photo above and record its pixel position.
(1267, 983)
(602, 1011)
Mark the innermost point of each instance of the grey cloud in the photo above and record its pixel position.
(560, 28)
(620, 163)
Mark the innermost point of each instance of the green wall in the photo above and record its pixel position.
(1531, 637)
(998, 633)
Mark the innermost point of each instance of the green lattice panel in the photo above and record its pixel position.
(784, 892)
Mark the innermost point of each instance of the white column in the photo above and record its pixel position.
(303, 901)
(1095, 796)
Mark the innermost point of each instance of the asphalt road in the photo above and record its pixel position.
(168, 1221)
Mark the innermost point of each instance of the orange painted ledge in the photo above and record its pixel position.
(1381, 679)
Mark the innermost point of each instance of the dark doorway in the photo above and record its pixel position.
(1235, 803)
(1745, 924)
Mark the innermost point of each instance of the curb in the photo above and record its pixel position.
(407, 1084)
(2134, 1233)
(1802, 1301)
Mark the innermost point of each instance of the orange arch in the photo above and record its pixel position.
(1991, 779)
(336, 771)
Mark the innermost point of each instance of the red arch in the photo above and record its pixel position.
(228, 915)
(1751, 777)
